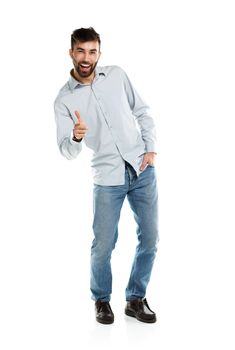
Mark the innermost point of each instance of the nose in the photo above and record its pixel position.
(86, 56)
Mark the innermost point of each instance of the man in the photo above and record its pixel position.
(99, 107)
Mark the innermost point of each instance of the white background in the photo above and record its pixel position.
(180, 56)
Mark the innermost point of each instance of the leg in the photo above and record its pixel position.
(142, 197)
(108, 202)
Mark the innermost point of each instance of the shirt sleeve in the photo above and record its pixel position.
(140, 111)
(64, 122)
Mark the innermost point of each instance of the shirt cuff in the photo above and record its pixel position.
(74, 142)
(150, 147)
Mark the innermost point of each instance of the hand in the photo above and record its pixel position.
(80, 128)
(148, 159)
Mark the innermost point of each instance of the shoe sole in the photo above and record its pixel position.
(133, 314)
(104, 322)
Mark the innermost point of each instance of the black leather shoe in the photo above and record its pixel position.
(104, 313)
(139, 309)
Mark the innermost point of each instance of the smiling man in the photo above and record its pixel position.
(99, 107)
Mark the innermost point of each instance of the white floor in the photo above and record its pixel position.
(54, 311)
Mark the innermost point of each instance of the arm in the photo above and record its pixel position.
(141, 113)
(65, 125)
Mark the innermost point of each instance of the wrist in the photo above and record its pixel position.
(75, 139)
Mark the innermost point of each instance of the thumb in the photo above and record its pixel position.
(78, 117)
(143, 165)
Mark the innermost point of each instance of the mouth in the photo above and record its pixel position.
(85, 67)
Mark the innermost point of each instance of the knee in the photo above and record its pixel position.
(102, 249)
(149, 242)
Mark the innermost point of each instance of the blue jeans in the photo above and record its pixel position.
(108, 200)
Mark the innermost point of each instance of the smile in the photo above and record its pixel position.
(85, 65)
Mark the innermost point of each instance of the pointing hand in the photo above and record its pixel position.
(80, 128)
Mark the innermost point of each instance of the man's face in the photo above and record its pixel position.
(85, 57)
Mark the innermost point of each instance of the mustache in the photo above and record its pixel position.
(83, 62)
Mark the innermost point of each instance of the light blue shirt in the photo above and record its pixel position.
(119, 125)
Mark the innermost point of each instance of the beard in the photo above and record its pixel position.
(84, 72)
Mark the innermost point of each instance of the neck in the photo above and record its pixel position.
(87, 80)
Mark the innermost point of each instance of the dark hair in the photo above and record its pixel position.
(83, 35)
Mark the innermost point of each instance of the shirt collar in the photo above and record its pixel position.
(73, 83)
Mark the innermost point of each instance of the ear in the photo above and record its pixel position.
(71, 53)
